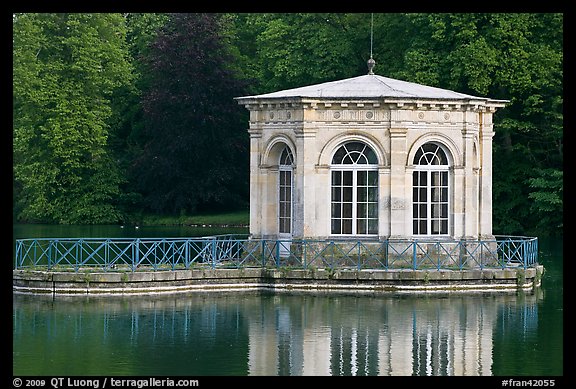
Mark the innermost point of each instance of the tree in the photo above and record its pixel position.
(65, 69)
(512, 56)
(195, 154)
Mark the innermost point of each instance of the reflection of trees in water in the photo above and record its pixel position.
(280, 334)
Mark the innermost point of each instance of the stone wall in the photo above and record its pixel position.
(286, 279)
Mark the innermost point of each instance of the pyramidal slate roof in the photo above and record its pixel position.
(370, 86)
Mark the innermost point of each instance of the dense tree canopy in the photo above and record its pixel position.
(66, 68)
(119, 113)
(195, 151)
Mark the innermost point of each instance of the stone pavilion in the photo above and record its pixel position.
(370, 157)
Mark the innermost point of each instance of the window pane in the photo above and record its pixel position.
(423, 178)
(435, 194)
(361, 210)
(286, 158)
(371, 155)
(336, 210)
(347, 226)
(337, 178)
(347, 178)
(372, 194)
(422, 194)
(444, 178)
(362, 178)
(418, 156)
(362, 196)
(347, 194)
(435, 226)
(373, 178)
(336, 226)
(423, 210)
(339, 155)
(435, 210)
(347, 160)
(361, 226)
(373, 210)
(444, 225)
(336, 194)
(372, 226)
(347, 210)
(423, 229)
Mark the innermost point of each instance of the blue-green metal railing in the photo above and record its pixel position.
(235, 251)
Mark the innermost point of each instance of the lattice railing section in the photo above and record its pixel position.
(237, 252)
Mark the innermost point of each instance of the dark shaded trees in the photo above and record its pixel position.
(195, 144)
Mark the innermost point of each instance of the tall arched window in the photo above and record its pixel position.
(285, 167)
(354, 199)
(430, 191)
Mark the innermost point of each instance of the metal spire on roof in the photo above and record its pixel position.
(371, 62)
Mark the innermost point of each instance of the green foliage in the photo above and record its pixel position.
(548, 189)
(512, 56)
(66, 67)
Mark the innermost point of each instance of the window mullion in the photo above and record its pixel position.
(428, 202)
(354, 201)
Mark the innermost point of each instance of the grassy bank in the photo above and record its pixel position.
(230, 219)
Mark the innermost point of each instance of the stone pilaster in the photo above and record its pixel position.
(470, 191)
(305, 203)
(485, 176)
(398, 196)
(256, 185)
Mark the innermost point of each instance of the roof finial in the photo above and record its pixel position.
(371, 62)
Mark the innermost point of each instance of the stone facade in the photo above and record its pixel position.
(394, 119)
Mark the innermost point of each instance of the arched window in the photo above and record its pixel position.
(354, 199)
(285, 167)
(430, 191)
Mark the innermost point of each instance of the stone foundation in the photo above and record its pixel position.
(313, 279)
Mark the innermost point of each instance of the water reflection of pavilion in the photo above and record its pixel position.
(279, 334)
(429, 336)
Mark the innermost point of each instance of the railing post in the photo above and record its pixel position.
(35, 252)
(358, 265)
(263, 254)
(524, 254)
(277, 253)
(77, 246)
(187, 253)
(136, 256)
(50, 254)
(414, 260)
(386, 253)
(305, 262)
(213, 253)
(16, 250)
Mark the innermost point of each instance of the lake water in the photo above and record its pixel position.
(283, 334)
